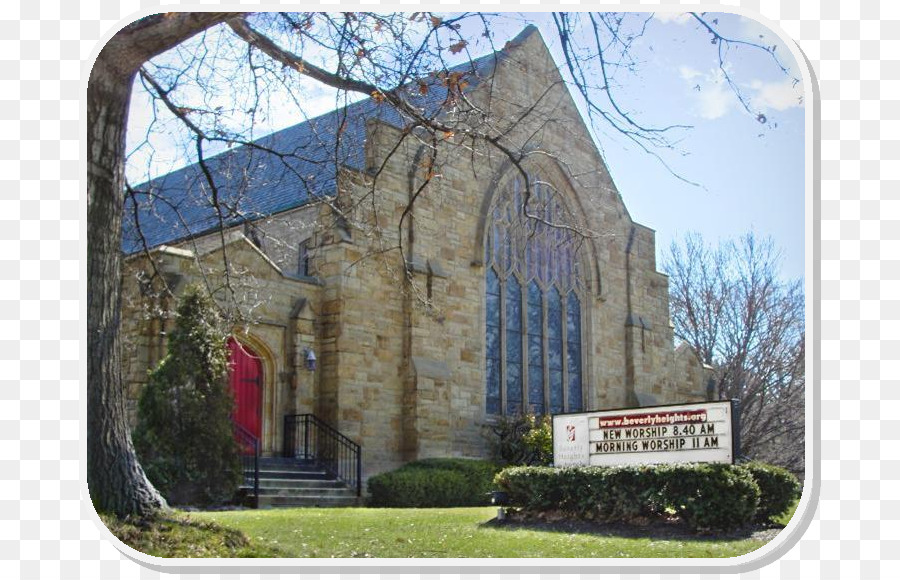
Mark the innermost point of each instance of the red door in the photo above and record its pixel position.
(246, 384)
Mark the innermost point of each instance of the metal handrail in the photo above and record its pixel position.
(249, 450)
(308, 437)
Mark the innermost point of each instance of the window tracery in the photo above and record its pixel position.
(534, 285)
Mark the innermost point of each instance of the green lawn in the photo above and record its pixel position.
(462, 532)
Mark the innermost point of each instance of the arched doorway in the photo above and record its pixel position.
(246, 381)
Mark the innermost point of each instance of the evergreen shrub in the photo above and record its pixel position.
(534, 489)
(438, 482)
(522, 440)
(185, 436)
(778, 487)
(704, 496)
(709, 496)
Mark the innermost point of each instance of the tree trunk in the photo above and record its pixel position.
(116, 481)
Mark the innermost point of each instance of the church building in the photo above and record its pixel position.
(408, 290)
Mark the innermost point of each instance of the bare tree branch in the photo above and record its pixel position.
(729, 304)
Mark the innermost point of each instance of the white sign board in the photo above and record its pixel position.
(695, 433)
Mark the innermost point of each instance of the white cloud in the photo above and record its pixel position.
(676, 17)
(688, 73)
(777, 96)
(714, 98)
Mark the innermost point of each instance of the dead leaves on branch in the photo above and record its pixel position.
(458, 47)
(454, 81)
(429, 169)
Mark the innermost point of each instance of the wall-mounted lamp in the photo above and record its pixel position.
(310, 360)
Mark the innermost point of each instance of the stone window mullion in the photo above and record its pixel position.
(503, 339)
(534, 264)
(564, 312)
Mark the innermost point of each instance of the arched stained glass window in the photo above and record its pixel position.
(533, 281)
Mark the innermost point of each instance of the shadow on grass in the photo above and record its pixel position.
(674, 529)
(170, 535)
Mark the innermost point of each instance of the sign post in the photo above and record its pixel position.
(694, 433)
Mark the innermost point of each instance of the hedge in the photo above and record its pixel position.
(704, 496)
(779, 488)
(438, 482)
(710, 496)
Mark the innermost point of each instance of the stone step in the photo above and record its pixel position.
(277, 501)
(286, 464)
(294, 475)
(284, 492)
(306, 493)
(289, 482)
(301, 483)
(292, 461)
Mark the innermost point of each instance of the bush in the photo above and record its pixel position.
(603, 493)
(628, 493)
(534, 489)
(522, 440)
(704, 496)
(710, 496)
(439, 482)
(778, 489)
(184, 437)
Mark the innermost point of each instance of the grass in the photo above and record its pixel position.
(176, 536)
(415, 533)
(467, 533)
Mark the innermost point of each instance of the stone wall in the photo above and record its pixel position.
(275, 320)
(408, 372)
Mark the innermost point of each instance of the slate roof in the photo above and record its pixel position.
(254, 182)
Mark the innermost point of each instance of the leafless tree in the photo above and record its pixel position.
(398, 60)
(731, 305)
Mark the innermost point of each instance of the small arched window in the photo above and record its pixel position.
(534, 286)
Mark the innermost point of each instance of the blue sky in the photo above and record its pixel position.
(749, 175)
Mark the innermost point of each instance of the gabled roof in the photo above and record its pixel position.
(281, 171)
